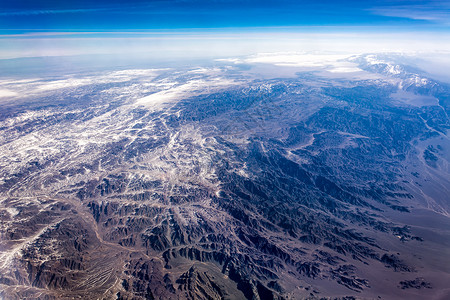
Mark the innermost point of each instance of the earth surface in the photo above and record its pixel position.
(269, 176)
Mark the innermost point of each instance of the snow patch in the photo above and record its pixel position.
(12, 211)
(189, 89)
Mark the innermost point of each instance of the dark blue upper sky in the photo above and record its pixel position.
(105, 15)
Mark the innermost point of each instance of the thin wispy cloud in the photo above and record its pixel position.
(134, 6)
(50, 11)
(436, 12)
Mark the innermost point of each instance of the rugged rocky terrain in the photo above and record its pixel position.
(228, 181)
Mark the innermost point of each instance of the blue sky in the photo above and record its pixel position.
(109, 15)
(68, 27)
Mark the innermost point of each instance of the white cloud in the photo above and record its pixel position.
(332, 63)
(295, 59)
(7, 93)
